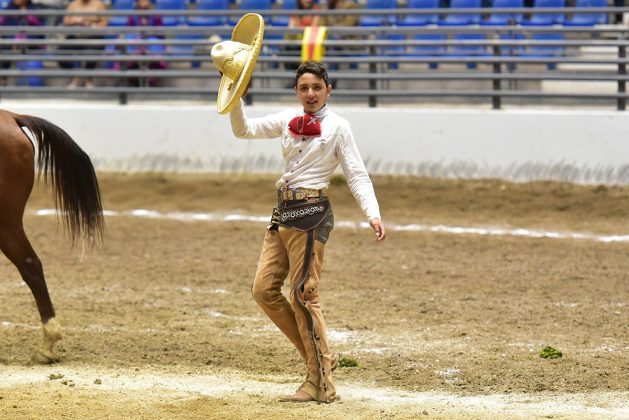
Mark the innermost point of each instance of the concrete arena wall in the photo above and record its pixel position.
(519, 145)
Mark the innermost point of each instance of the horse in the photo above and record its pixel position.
(68, 170)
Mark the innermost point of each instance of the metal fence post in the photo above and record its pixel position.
(373, 68)
(496, 99)
(122, 96)
(622, 71)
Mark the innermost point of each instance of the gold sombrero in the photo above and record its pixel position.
(236, 60)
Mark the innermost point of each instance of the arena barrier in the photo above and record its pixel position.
(520, 145)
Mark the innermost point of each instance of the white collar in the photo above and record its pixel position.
(321, 113)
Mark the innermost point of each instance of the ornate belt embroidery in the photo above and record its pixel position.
(294, 214)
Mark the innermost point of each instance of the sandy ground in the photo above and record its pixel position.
(446, 318)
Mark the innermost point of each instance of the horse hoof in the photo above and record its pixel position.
(41, 358)
(51, 334)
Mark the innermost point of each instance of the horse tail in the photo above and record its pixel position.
(69, 170)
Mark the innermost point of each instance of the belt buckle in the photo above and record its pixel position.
(287, 193)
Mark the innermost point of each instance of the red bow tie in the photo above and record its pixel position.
(305, 125)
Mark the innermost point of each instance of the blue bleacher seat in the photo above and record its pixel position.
(394, 50)
(120, 49)
(186, 49)
(429, 50)
(172, 5)
(546, 19)
(30, 80)
(283, 20)
(121, 20)
(209, 20)
(588, 19)
(271, 49)
(131, 49)
(503, 19)
(468, 50)
(458, 19)
(546, 50)
(123, 4)
(378, 20)
(156, 48)
(512, 50)
(246, 5)
(420, 20)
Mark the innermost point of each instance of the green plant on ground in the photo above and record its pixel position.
(550, 353)
(347, 361)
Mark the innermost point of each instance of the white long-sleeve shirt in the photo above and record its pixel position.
(310, 161)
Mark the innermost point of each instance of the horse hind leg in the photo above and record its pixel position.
(15, 245)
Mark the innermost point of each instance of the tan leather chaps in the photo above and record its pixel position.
(295, 251)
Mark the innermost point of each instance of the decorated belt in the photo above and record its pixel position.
(303, 216)
(286, 194)
(288, 214)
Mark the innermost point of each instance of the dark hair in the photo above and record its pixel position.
(301, 6)
(313, 67)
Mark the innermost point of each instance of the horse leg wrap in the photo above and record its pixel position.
(52, 333)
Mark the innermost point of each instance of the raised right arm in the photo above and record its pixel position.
(268, 127)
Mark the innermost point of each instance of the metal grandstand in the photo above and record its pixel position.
(493, 66)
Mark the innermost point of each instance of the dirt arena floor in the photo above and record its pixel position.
(446, 318)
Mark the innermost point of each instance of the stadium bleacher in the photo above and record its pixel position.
(504, 19)
(193, 20)
(588, 19)
(458, 19)
(545, 19)
(419, 20)
(380, 19)
(389, 42)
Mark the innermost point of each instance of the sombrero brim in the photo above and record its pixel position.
(249, 30)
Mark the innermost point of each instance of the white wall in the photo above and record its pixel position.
(580, 146)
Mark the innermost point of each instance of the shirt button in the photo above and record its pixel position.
(299, 150)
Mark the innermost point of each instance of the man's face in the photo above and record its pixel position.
(312, 92)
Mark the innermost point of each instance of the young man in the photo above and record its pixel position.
(315, 141)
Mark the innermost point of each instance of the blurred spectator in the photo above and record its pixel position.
(300, 21)
(23, 20)
(342, 20)
(18, 20)
(88, 21)
(51, 5)
(146, 20)
(619, 16)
